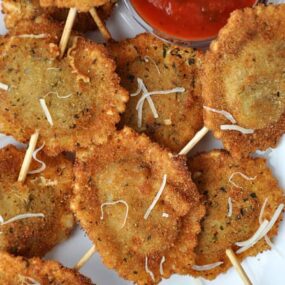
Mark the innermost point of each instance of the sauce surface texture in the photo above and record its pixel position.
(188, 19)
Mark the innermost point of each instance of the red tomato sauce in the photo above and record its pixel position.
(188, 19)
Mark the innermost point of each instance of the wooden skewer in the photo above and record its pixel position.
(235, 262)
(199, 135)
(28, 156)
(34, 138)
(231, 255)
(184, 151)
(100, 24)
(67, 30)
(63, 43)
(85, 258)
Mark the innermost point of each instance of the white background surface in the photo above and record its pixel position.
(267, 268)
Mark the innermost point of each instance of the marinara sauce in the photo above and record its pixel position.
(188, 19)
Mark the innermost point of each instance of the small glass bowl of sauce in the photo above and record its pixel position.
(186, 22)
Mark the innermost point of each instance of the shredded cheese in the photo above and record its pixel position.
(243, 176)
(42, 181)
(245, 245)
(139, 90)
(150, 102)
(46, 111)
(226, 114)
(207, 267)
(43, 165)
(21, 217)
(230, 207)
(237, 128)
(25, 280)
(262, 231)
(147, 95)
(47, 182)
(269, 242)
(156, 198)
(273, 246)
(262, 211)
(252, 239)
(149, 59)
(114, 203)
(273, 221)
(142, 88)
(149, 271)
(165, 215)
(163, 92)
(267, 239)
(4, 86)
(58, 96)
(161, 265)
(167, 122)
(32, 36)
(140, 115)
(53, 68)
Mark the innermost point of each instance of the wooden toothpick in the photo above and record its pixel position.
(229, 252)
(67, 30)
(236, 264)
(199, 135)
(85, 258)
(184, 151)
(100, 24)
(63, 43)
(28, 157)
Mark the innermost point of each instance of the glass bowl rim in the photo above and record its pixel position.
(169, 38)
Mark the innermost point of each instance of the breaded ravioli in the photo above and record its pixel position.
(35, 216)
(74, 102)
(243, 74)
(130, 196)
(22, 271)
(17, 11)
(235, 192)
(161, 67)
(81, 5)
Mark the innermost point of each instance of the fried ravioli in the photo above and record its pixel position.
(45, 195)
(75, 101)
(218, 177)
(243, 74)
(17, 11)
(19, 271)
(115, 188)
(161, 67)
(81, 5)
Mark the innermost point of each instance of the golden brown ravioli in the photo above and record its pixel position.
(115, 185)
(243, 74)
(218, 177)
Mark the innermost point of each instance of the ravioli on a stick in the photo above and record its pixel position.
(74, 102)
(130, 196)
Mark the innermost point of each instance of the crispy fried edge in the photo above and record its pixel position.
(44, 269)
(129, 50)
(80, 5)
(83, 22)
(229, 41)
(261, 246)
(89, 135)
(11, 161)
(143, 144)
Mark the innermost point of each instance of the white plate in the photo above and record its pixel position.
(265, 269)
